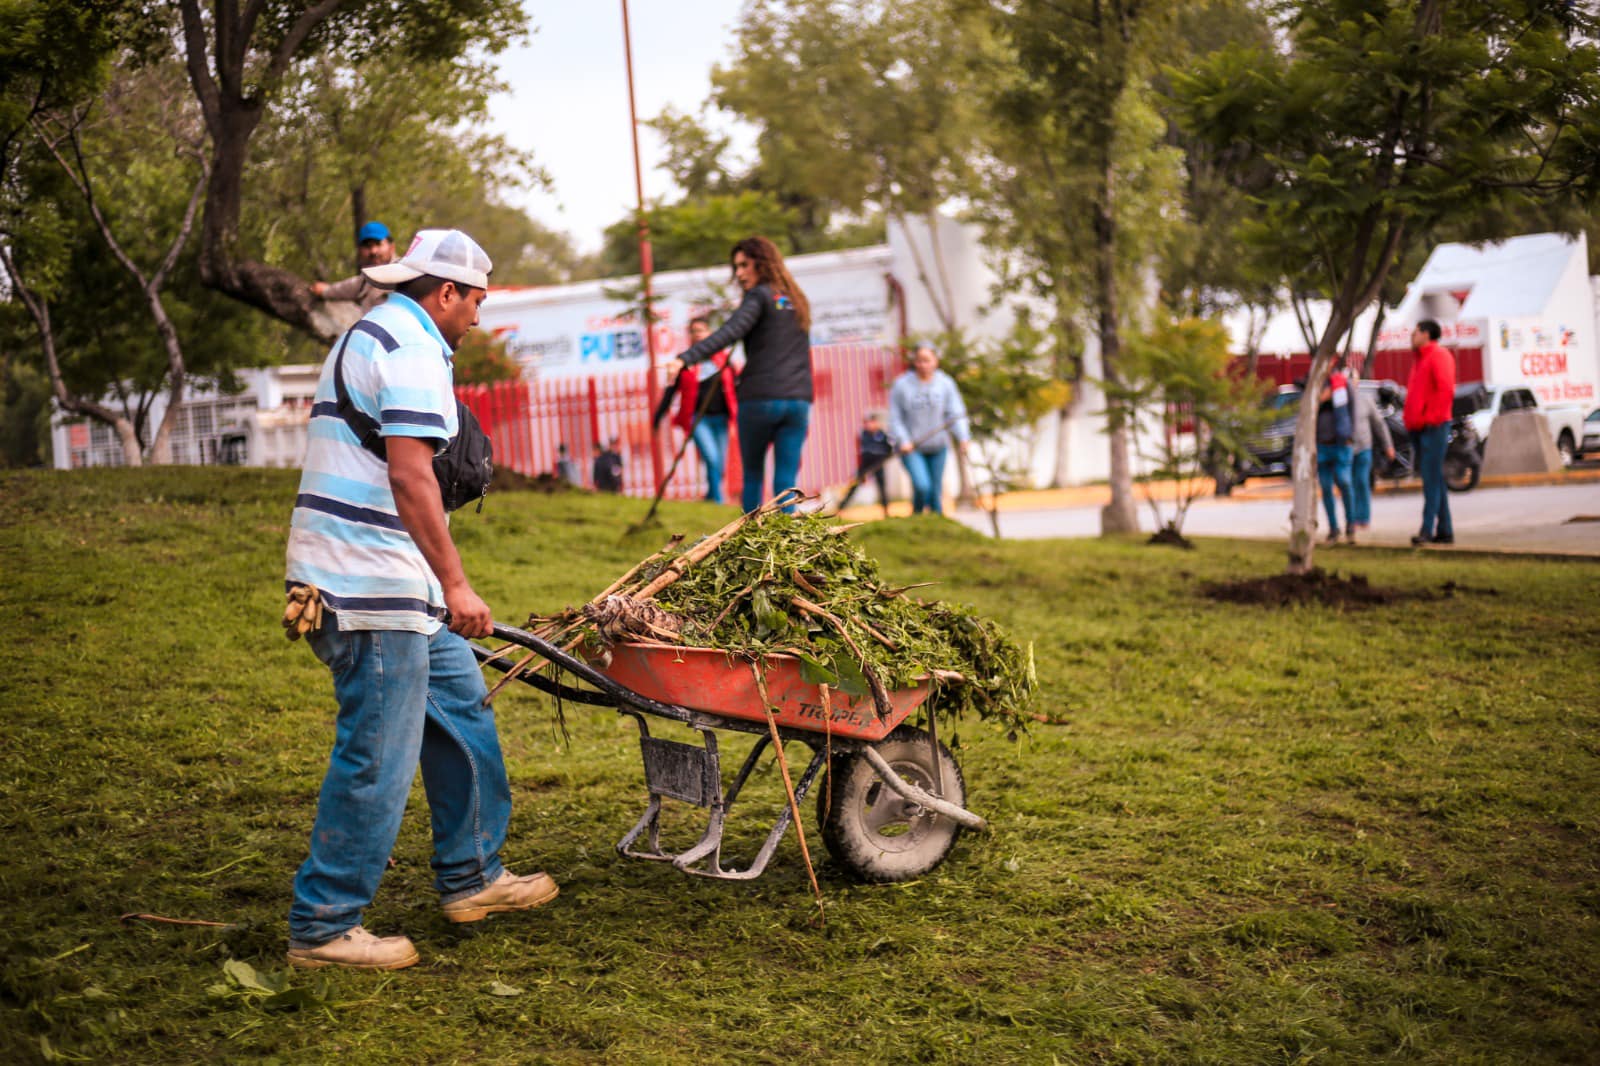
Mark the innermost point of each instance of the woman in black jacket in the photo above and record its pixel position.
(774, 391)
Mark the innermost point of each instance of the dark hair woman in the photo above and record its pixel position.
(775, 393)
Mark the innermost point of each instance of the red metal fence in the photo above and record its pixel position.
(529, 421)
(1390, 364)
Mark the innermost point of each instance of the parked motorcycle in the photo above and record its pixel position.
(1463, 456)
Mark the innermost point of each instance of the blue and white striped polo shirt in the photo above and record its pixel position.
(346, 536)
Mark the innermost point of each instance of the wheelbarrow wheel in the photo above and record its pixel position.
(874, 832)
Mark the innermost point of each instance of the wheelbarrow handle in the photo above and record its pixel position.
(582, 670)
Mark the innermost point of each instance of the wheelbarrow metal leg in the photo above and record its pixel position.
(780, 827)
(710, 845)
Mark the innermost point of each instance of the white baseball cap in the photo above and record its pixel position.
(439, 253)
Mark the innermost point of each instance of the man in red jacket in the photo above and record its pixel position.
(1430, 394)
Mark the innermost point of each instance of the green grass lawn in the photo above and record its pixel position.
(1255, 836)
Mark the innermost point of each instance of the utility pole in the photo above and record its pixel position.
(646, 267)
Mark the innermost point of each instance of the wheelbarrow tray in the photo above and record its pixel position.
(715, 682)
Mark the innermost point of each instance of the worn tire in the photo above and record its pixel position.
(874, 833)
(1460, 475)
(1567, 448)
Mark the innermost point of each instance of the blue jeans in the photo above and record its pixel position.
(404, 698)
(927, 479)
(1361, 488)
(1430, 446)
(780, 425)
(1333, 468)
(711, 440)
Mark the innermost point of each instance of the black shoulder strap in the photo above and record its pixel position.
(363, 425)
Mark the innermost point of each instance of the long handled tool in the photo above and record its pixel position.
(661, 489)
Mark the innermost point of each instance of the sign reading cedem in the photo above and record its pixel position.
(1550, 360)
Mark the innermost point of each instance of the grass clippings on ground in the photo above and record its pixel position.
(1294, 835)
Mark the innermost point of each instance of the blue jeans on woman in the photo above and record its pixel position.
(1361, 488)
(927, 479)
(1333, 468)
(780, 425)
(711, 440)
(404, 698)
(1430, 448)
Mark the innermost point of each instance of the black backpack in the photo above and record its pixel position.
(465, 464)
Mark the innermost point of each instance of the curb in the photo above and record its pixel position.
(1278, 488)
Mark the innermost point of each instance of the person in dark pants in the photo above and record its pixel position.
(1430, 395)
(775, 389)
(1335, 429)
(370, 541)
(873, 452)
(608, 467)
(705, 418)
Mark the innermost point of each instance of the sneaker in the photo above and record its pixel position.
(1350, 535)
(1419, 540)
(508, 893)
(1447, 538)
(355, 949)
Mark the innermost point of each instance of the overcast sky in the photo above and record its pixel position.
(568, 98)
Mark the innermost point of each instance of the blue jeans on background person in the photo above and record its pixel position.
(1430, 447)
(404, 698)
(781, 425)
(927, 479)
(711, 439)
(1333, 468)
(1361, 488)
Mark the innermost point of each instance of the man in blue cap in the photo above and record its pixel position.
(374, 247)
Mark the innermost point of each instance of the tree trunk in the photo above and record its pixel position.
(1064, 368)
(278, 292)
(39, 310)
(966, 494)
(1303, 463)
(1058, 477)
(1120, 515)
(161, 445)
(945, 313)
(358, 215)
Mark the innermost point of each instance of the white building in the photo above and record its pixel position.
(263, 425)
(1523, 311)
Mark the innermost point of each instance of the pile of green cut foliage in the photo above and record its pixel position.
(775, 583)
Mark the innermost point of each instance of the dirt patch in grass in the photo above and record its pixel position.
(507, 480)
(1317, 586)
(1169, 536)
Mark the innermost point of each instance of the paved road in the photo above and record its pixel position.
(1534, 518)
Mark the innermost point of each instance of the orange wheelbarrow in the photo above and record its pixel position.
(893, 804)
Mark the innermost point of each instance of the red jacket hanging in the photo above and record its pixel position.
(689, 391)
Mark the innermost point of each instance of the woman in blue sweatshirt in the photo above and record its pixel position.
(774, 390)
(926, 413)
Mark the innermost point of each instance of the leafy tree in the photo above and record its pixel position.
(695, 231)
(1082, 182)
(119, 179)
(240, 60)
(344, 145)
(860, 106)
(1386, 122)
(1177, 373)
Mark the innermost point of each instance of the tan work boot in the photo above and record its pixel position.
(355, 949)
(507, 893)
